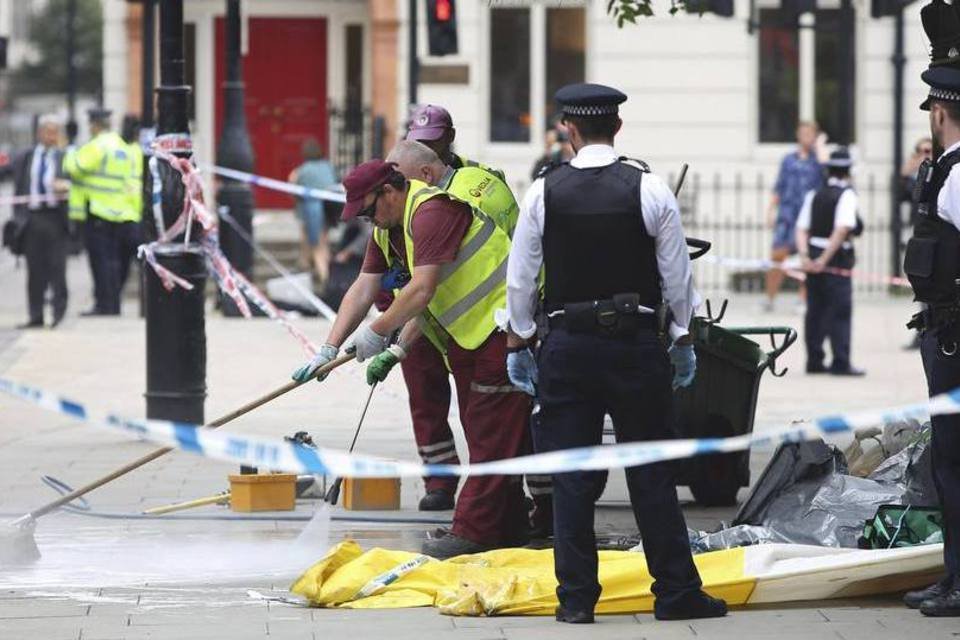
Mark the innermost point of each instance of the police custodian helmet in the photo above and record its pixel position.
(941, 21)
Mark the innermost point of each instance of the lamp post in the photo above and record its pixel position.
(176, 338)
(234, 151)
(71, 45)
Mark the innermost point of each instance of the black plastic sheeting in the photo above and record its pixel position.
(806, 496)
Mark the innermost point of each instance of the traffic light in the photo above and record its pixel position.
(442, 27)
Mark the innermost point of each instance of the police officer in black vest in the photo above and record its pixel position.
(827, 222)
(608, 234)
(932, 262)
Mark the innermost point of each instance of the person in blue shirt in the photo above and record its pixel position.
(316, 172)
(800, 173)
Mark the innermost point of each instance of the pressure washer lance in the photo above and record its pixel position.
(17, 542)
(333, 495)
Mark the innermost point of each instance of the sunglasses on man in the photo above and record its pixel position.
(369, 211)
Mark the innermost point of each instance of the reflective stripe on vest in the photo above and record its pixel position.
(473, 286)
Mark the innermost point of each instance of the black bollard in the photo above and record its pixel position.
(176, 337)
(234, 151)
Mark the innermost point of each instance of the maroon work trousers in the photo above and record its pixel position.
(428, 388)
(495, 414)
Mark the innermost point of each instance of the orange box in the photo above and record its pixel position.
(263, 492)
(371, 494)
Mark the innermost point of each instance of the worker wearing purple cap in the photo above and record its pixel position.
(454, 259)
(432, 125)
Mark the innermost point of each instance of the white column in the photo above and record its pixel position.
(808, 60)
(538, 73)
(115, 58)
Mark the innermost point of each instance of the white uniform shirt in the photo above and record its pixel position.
(844, 216)
(661, 217)
(948, 200)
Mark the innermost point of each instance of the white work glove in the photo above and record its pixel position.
(522, 370)
(327, 354)
(367, 343)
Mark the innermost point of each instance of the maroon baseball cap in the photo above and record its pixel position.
(363, 179)
(429, 122)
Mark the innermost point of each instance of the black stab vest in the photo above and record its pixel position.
(823, 212)
(595, 243)
(932, 259)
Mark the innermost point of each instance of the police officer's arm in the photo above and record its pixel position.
(801, 233)
(354, 307)
(661, 215)
(83, 161)
(411, 301)
(523, 267)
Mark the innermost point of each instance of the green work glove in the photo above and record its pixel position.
(381, 364)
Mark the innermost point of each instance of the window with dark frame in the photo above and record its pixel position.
(836, 74)
(509, 74)
(779, 75)
(566, 52)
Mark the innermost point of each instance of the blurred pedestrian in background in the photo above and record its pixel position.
(315, 172)
(42, 221)
(556, 149)
(800, 173)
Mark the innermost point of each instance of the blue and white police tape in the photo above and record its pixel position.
(276, 185)
(279, 455)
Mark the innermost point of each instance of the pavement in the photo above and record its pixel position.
(206, 573)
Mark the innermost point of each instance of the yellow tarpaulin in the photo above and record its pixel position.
(501, 582)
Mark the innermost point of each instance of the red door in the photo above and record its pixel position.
(285, 71)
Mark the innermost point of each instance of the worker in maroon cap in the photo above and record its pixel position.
(433, 126)
(453, 260)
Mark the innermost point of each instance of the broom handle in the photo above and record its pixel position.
(153, 455)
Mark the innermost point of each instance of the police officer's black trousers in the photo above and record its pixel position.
(45, 247)
(943, 374)
(829, 313)
(103, 248)
(581, 378)
(130, 240)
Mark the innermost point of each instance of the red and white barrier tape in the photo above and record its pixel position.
(793, 269)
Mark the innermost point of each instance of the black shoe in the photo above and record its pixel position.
(913, 599)
(946, 605)
(90, 313)
(436, 500)
(33, 324)
(452, 545)
(849, 371)
(57, 319)
(690, 607)
(574, 617)
(816, 368)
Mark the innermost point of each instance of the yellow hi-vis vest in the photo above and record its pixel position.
(473, 285)
(467, 162)
(135, 180)
(103, 166)
(77, 198)
(484, 190)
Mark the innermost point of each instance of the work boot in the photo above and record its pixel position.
(913, 599)
(572, 616)
(436, 500)
(451, 545)
(946, 605)
(692, 606)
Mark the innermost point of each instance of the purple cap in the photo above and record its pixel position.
(429, 122)
(363, 179)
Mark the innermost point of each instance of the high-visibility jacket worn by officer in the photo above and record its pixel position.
(484, 190)
(474, 284)
(103, 168)
(135, 180)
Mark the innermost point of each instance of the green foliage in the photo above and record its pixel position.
(624, 11)
(48, 72)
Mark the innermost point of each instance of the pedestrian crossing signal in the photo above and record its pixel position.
(442, 27)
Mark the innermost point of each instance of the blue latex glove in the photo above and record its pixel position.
(522, 370)
(327, 353)
(684, 362)
(395, 278)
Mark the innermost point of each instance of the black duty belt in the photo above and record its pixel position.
(619, 316)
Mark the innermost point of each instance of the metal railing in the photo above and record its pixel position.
(731, 212)
(356, 135)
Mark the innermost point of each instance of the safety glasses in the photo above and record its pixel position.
(369, 211)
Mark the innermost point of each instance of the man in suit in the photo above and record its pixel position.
(37, 175)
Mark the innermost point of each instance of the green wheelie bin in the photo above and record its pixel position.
(722, 402)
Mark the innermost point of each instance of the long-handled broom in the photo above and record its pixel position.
(17, 543)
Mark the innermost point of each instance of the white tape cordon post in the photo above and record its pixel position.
(279, 455)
